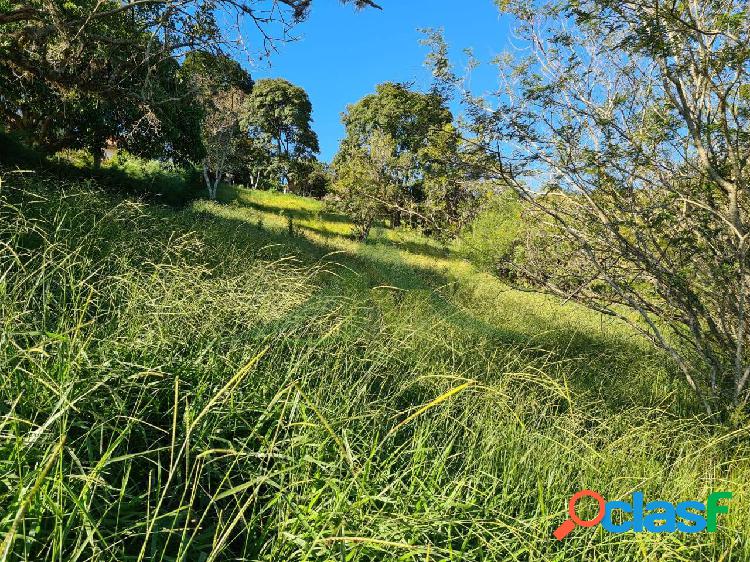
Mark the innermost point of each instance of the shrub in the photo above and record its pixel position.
(166, 179)
(492, 240)
(127, 173)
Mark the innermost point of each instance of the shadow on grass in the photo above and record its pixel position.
(232, 195)
(228, 194)
(411, 247)
(615, 369)
(369, 271)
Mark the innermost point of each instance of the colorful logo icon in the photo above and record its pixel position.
(654, 517)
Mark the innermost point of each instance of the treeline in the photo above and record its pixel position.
(159, 80)
(219, 125)
(159, 84)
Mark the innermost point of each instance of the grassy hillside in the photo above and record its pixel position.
(241, 381)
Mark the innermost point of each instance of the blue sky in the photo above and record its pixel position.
(343, 54)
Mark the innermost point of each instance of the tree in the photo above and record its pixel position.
(627, 128)
(363, 181)
(411, 119)
(75, 44)
(223, 87)
(221, 137)
(53, 118)
(432, 181)
(311, 178)
(278, 115)
(451, 186)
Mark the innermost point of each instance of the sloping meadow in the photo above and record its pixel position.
(179, 386)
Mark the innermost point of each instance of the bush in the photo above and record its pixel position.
(492, 241)
(163, 181)
(170, 183)
(13, 152)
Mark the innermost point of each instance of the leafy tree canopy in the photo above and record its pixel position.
(408, 117)
(210, 73)
(424, 170)
(281, 113)
(75, 72)
(93, 45)
(278, 116)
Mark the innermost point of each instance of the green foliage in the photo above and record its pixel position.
(408, 117)
(125, 173)
(311, 178)
(626, 130)
(364, 187)
(169, 183)
(167, 179)
(424, 175)
(74, 83)
(278, 117)
(180, 395)
(494, 237)
(212, 73)
(79, 74)
(221, 86)
(63, 44)
(449, 183)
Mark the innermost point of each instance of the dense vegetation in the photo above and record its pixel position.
(159, 79)
(402, 159)
(624, 127)
(205, 385)
(417, 352)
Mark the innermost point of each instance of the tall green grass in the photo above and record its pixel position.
(201, 385)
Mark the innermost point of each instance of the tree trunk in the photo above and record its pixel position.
(365, 230)
(207, 179)
(255, 180)
(211, 186)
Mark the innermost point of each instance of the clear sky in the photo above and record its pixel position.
(343, 54)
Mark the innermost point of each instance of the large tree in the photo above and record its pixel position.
(111, 56)
(407, 117)
(429, 181)
(628, 128)
(278, 116)
(52, 119)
